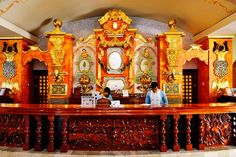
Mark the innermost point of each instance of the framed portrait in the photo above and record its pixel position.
(58, 89)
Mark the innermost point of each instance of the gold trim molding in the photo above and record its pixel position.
(220, 37)
(9, 6)
(220, 4)
(11, 38)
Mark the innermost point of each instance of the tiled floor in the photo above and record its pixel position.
(228, 151)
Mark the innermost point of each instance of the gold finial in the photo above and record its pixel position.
(171, 24)
(57, 23)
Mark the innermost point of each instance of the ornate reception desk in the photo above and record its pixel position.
(127, 127)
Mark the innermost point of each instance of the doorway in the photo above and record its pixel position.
(40, 82)
(40, 87)
(190, 86)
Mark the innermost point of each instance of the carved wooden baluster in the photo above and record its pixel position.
(38, 146)
(64, 146)
(201, 145)
(163, 147)
(176, 146)
(51, 134)
(233, 136)
(26, 145)
(188, 132)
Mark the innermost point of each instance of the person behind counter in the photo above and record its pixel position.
(106, 94)
(156, 96)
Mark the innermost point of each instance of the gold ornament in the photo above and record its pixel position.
(145, 83)
(84, 81)
(171, 24)
(114, 15)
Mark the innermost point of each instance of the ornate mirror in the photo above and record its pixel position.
(115, 60)
(115, 83)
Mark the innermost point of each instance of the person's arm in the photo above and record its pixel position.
(147, 99)
(110, 97)
(99, 96)
(164, 99)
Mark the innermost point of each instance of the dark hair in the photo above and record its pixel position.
(154, 84)
(107, 90)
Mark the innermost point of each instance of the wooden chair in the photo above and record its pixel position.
(103, 101)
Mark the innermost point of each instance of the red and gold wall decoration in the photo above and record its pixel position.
(115, 41)
(118, 57)
(170, 50)
(219, 65)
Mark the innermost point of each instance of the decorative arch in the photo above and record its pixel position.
(234, 74)
(194, 53)
(41, 56)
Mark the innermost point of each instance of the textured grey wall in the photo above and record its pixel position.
(146, 27)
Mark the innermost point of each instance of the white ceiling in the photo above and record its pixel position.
(199, 17)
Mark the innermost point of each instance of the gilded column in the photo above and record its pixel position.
(60, 75)
(169, 46)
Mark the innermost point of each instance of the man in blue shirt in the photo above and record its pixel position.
(156, 96)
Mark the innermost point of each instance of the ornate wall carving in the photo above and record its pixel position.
(145, 63)
(103, 133)
(220, 67)
(217, 129)
(84, 64)
(195, 52)
(12, 130)
(115, 33)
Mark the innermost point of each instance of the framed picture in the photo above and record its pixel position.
(172, 88)
(58, 89)
(88, 101)
(115, 83)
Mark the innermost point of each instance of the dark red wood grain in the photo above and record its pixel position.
(127, 127)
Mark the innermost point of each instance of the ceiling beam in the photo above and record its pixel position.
(8, 25)
(215, 27)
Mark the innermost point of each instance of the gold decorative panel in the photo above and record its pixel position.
(220, 65)
(58, 89)
(172, 88)
(115, 35)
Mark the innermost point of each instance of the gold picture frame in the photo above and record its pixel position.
(58, 89)
(172, 88)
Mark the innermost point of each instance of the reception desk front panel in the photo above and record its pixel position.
(126, 127)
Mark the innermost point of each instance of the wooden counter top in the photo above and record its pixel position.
(125, 109)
